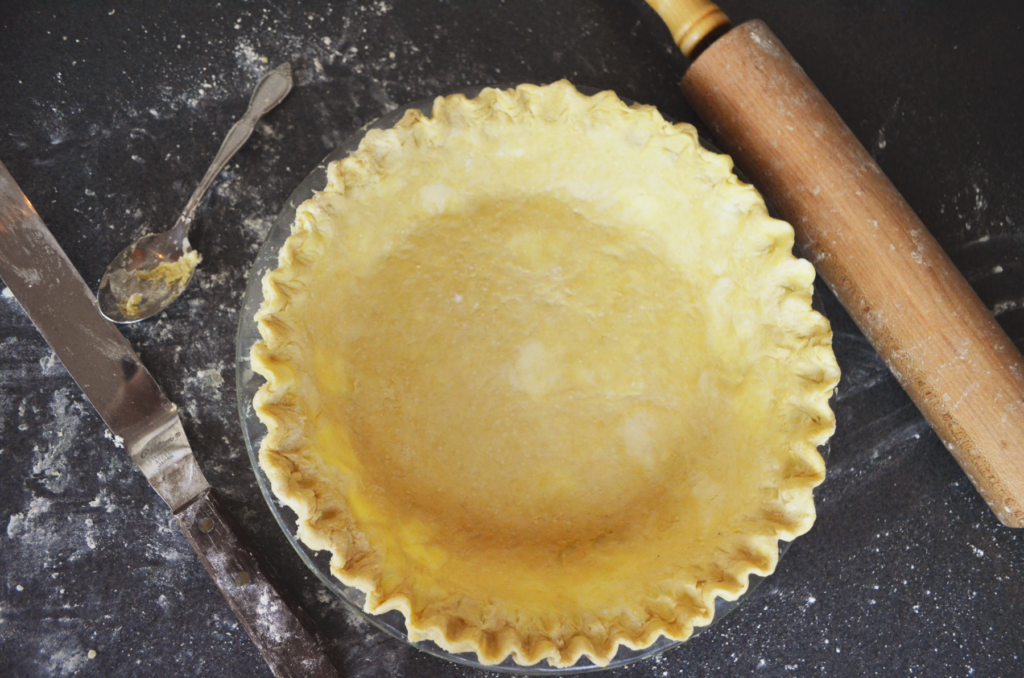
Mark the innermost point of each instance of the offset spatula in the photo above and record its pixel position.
(938, 338)
(117, 384)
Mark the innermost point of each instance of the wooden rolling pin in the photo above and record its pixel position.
(940, 341)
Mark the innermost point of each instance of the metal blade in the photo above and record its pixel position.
(99, 358)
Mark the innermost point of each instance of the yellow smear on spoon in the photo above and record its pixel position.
(173, 272)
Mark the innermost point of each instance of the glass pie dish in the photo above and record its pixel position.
(248, 383)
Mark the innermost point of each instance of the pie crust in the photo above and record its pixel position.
(543, 375)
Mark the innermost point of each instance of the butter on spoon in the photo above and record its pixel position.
(153, 271)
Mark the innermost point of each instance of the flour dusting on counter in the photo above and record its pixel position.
(111, 115)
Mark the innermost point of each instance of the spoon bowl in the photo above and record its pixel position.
(126, 297)
(148, 275)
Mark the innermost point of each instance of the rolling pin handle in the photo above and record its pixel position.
(694, 24)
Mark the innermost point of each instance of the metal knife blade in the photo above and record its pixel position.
(99, 358)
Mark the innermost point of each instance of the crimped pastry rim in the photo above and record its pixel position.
(279, 474)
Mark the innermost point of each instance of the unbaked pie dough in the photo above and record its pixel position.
(543, 375)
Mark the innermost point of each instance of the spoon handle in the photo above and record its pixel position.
(270, 91)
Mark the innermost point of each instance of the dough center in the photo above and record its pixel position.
(518, 368)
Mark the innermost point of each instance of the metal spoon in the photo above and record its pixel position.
(152, 272)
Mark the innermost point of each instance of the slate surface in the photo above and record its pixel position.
(110, 112)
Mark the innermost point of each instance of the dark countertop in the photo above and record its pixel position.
(110, 112)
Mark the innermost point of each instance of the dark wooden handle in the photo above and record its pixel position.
(280, 629)
(911, 302)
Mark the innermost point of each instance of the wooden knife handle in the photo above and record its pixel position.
(913, 305)
(282, 632)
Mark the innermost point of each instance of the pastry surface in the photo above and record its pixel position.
(543, 375)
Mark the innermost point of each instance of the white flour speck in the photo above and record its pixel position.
(22, 525)
(1004, 306)
(50, 364)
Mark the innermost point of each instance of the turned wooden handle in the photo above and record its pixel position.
(932, 330)
(278, 627)
(692, 22)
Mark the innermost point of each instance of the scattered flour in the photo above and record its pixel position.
(1009, 305)
(23, 526)
(50, 465)
(68, 656)
(50, 364)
